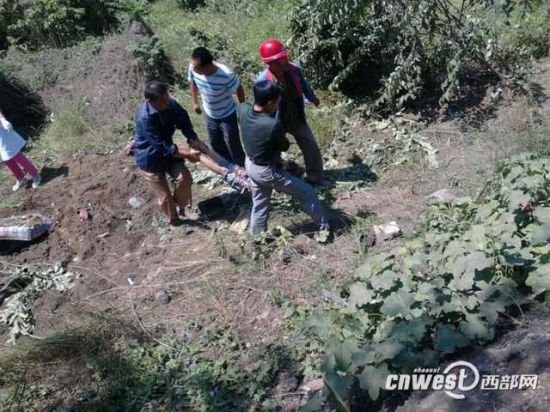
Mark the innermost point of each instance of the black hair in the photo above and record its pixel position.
(155, 89)
(203, 55)
(265, 91)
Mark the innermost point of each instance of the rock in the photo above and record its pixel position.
(387, 231)
(443, 195)
(241, 222)
(314, 386)
(327, 294)
(163, 297)
(136, 202)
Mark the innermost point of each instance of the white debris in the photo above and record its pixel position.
(387, 231)
(136, 202)
(443, 195)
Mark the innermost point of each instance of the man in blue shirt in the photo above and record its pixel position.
(156, 154)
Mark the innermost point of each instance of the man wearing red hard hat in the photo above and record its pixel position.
(291, 111)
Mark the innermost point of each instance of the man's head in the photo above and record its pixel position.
(275, 55)
(202, 60)
(267, 96)
(279, 66)
(156, 93)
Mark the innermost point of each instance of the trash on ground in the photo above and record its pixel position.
(387, 231)
(24, 228)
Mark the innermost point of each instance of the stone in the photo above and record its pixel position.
(163, 297)
(387, 231)
(242, 221)
(136, 202)
(314, 386)
(441, 196)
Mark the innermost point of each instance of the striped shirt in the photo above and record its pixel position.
(216, 91)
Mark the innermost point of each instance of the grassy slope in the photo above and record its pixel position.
(242, 26)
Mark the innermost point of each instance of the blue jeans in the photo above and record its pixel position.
(224, 137)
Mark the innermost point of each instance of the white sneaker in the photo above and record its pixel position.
(37, 181)
(20, 183)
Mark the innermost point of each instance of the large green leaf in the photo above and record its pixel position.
(448, 340)
(321, 323)
(412, 330)
(398, 304)
(462, 282)
(540, 235)
(491, 309)
(359, 294)
(539, 279)
(384, 280)
(376, 352)
(339, 387)
(542, 214)
(373, 379)
(474, 327)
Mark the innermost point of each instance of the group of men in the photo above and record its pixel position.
(245, 140)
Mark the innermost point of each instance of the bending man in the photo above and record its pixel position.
(263, 141)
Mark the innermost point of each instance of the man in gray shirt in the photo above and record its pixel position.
(263, 140)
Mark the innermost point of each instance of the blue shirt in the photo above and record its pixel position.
(216, 90)
(154, 146)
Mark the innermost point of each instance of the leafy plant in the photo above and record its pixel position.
(448, 287)
(10, 13)
(60, 23)
(400, 52)
(17, 315)
(149, 53)
(191, 5)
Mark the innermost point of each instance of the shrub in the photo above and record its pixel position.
(398, 52)
(10, 12)
(60, 23)
(446, 288)
(192, 5)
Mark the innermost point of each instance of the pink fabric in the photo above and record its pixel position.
(21, 161)
(295, 79)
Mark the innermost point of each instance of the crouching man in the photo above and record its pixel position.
(263, 141)
(156, 154)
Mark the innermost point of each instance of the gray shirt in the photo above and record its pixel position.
(262, 136)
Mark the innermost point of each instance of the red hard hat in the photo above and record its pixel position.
(272, 49)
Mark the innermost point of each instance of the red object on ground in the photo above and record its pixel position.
(83, 215)
(272, 49)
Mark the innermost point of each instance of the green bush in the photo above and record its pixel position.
(60, 23)
(192, 5)
(447, 288)
(10, 13)
(399, 52)
(152, 59)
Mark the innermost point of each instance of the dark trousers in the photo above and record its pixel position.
(225, 139)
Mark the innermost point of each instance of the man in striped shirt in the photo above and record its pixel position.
(216, 84)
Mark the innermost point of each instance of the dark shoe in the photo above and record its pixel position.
(176, 222)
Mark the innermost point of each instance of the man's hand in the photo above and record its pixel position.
(128, 150)
(199, 145)
(197, 108)
(6, 125)
(316, 102)
(193, 156)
